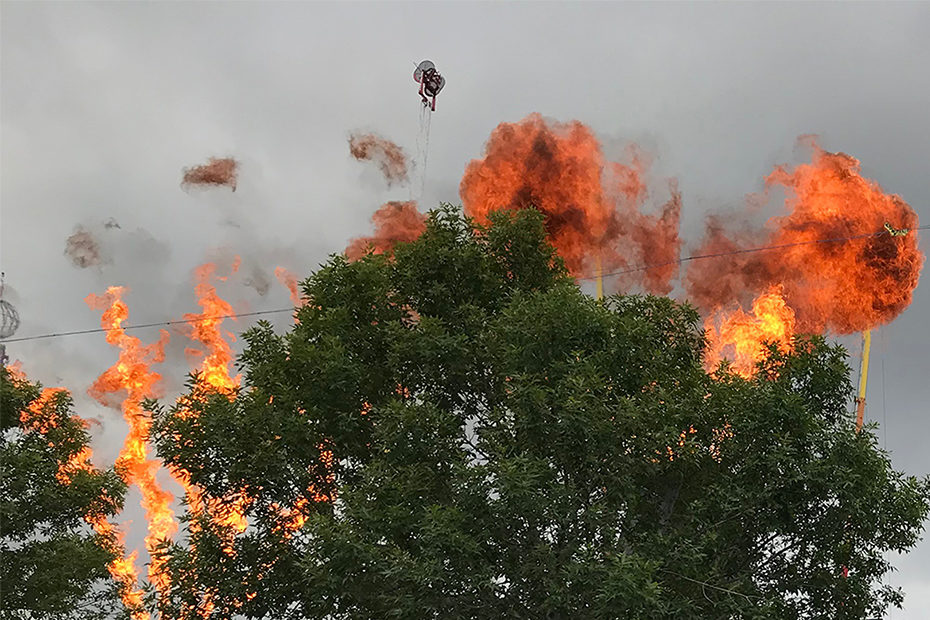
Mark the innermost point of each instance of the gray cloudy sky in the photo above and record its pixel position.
(104, 104)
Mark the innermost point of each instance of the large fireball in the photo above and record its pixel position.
(592, 205)
(838, 268)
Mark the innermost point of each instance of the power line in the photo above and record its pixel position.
(613, 273)
(145, 325)
(743, 251)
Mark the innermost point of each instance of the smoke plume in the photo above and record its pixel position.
(390, 158)
(215, 173)
(83, 249)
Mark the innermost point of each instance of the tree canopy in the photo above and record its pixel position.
(52, 565)
(457, 431)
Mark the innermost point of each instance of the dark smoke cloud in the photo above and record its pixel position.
(258, 280)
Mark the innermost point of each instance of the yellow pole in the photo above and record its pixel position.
(863, 378)
(600, 279)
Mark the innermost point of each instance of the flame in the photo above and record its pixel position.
(592, 205)
(844, 286)
(131, 375)
(289, 280)
(395, 222)
(16, 370)
(122, 569)
(390, 158)
(80, 461)
(205, 329)
(213, 373)
(771, 320)
(295, 518)
(36, 417)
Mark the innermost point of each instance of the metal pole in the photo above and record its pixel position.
(863, 379)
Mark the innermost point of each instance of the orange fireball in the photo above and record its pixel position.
(838, 266)
(395, 222)
(592, 206)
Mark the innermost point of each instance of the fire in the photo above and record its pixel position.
(390, 158)
(37, 418)
(294, 518)
(132, 376)
(34, 417)
(289, 280)
(122, 569)
(16, 370)
(213, 372)
(593, 206)
(771, 320)
(395, 222)
(205, 329)
(862, 278)
(80, 461)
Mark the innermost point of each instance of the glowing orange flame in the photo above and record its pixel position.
(80, 461)
(289, 280)
(844, 286)
(131, 375)
(592, 205)
(34, 417)
(739, 336)
(16, 370)
(295, 518)
(122, 569)
(205, 329)
(38, 418)
(395, 222)
(213, 373)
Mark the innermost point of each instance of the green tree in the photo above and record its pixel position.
(506, 447)
(52, 565)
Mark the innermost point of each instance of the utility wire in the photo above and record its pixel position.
(145, 325)
(613, 273)
(743, 251)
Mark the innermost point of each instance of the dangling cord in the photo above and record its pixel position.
(416, 161)
(419, 163)
(429, 118)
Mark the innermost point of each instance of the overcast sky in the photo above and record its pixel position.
(103, 105)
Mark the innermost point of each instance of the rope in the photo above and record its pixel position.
(425, 125)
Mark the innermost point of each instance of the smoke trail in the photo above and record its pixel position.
(391, 159)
